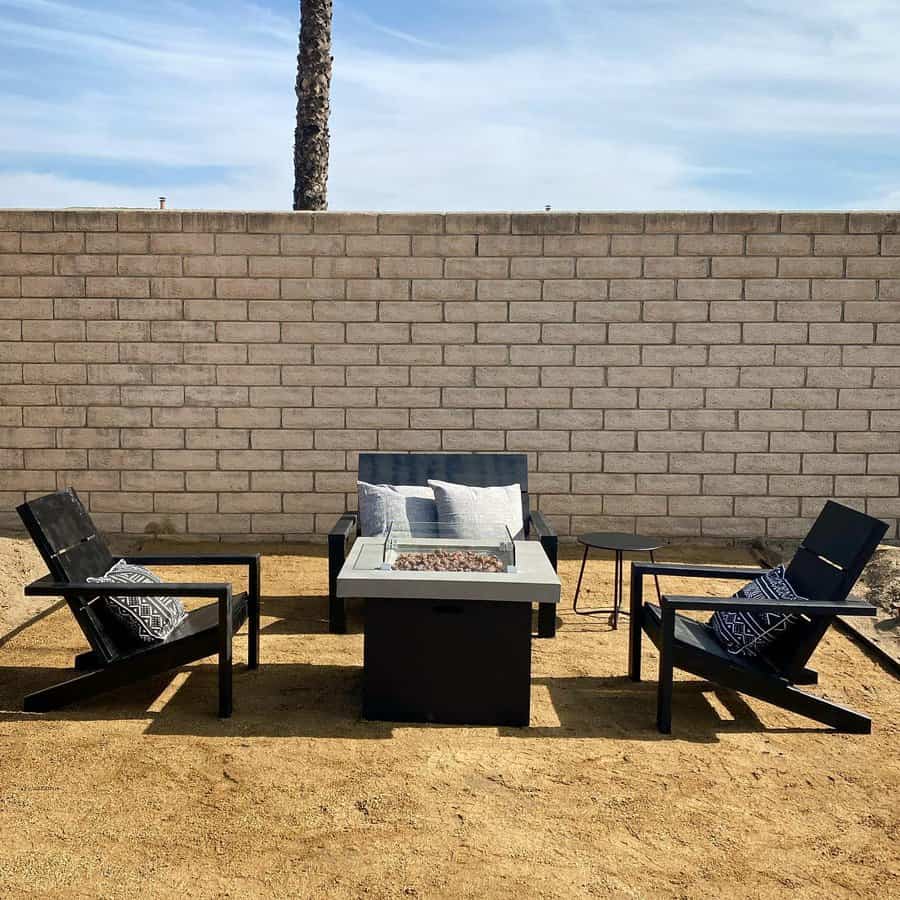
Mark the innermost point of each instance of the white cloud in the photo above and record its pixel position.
(612, 105)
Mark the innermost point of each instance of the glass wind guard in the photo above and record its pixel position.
(432, 547)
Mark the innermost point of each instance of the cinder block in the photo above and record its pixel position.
(744, 267)
(282, 266)
(379, 245)
(609, 267)
(217, 266)
(286, 311)
(742, 311)
(85, 264)
(443, 333)
(710, 244)
(215, 310)
(181, 244)
(484, 311)
(100, 286)
(511, 333)
(811, 267)
(610, 223)
(827, 223)
(412, 311)
(378, 289)
(247, 244)
(677, 222)
(52, 286)
(779, 245)
(710, 289)
(745, 222)
(540, 311)
(443, 289)
(379, 333)
(246, 289)
(675, 267)
(477, 223)
(604, 398)
(115, 242)
(149, 220)
(443, 418)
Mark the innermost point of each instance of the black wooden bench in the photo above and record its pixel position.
(824, 570)
(476, 469)
(74, 551)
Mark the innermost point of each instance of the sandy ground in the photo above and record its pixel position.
(145, 793)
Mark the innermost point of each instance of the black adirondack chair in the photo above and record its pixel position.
(824, 570)
(476, 469)
(74, 551)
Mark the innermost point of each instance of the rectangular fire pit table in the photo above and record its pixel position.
(447, 646)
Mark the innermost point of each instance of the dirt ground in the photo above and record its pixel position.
(144, 792)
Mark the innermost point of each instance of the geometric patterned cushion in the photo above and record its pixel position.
(749, 633)
(149, 619)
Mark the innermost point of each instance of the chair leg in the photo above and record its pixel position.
(635, 626)
(225, 654)
(87, 662)
(82, 687)
(546, 620)
(337, 610)
(839, 717)
(666, 672)
(253, 617)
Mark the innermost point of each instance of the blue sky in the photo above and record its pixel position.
(457, 104)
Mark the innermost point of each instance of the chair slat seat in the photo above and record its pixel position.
(699, 637)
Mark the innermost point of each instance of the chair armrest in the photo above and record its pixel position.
(46, 587)
(540, 526)
(341, 535)
(344, 528)
(744, 604)
(199, 559)
(687, 570)
(544, 532)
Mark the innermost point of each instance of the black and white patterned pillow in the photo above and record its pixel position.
(749, 633)
(149, 619)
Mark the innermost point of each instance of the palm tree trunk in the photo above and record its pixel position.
(311, 137)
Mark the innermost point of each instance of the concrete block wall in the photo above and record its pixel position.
(685, 374)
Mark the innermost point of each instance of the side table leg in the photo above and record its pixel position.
(656, 579)
(617, 590)
(580, 576)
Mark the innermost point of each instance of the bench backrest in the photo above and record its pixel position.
(74, 550)
(827, 565)
(477, 469)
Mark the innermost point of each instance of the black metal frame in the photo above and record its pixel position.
(479, 469)
(73, 550)
(825, 568)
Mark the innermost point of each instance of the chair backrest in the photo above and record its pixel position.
(74, 550)
(826, 566)
(477, 469)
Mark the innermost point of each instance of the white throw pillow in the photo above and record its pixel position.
(472, 512)
(403, 505)
(149, 619)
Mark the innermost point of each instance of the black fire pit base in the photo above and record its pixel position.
(464, 662)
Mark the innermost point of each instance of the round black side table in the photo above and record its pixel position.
(620, 544)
